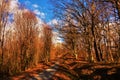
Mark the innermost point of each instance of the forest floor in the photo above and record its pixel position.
(71, 70)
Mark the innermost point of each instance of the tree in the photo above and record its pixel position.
(115, 5)
(4, 13)
(70, 35)
(47, 42)
(27, 33)
(94, 21)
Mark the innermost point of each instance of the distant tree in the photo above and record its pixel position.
(47, 42)
(70, 35)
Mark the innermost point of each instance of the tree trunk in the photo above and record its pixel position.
(94, 40)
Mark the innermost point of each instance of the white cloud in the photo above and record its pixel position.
(40, 22)
(41, 14)
(56, 39)
(13, 5)
(35, 5)
(37, 12)
(53, 22)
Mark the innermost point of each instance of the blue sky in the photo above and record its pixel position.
(42, 8)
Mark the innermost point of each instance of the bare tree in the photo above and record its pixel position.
(26, 30)
(114, 4)
(86, 16)
(47, 38)
(4, 13)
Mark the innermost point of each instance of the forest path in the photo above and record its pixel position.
(46, 74)
(41, 72)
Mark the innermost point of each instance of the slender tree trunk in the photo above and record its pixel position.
(94, 40)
